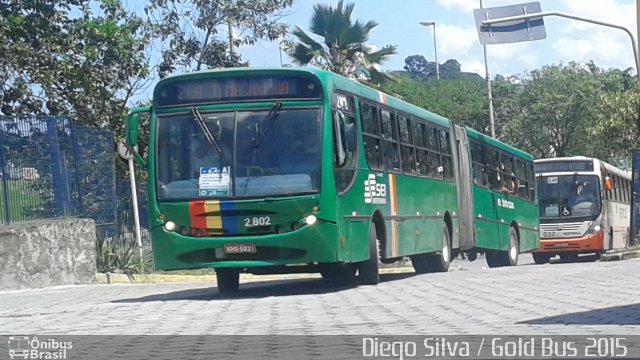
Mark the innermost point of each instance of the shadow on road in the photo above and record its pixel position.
(616, 315)
(262, 289)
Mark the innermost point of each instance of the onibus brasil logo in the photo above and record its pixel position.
(25, 347)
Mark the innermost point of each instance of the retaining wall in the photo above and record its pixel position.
(47, 252)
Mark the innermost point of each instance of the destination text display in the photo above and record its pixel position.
(220, 89)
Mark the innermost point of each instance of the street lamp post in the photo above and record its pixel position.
(435, 46)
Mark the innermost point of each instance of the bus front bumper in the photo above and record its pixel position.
(307, 245)
(582, 245)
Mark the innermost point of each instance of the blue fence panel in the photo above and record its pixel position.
(50, 168)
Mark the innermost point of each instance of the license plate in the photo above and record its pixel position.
(239, 248)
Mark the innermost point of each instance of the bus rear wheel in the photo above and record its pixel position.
(368, 272)
(541, 258)
(496, 258)
(228, 280)
(439, 262)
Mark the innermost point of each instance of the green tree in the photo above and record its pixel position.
(617, 128)
(419, 65)
(461, 100)
(342, 49)
(548, 112)
(194, 33)
(71, 57)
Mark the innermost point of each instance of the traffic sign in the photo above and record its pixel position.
(125, 151)
(509, 31)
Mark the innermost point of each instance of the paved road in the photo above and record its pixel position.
(561, 298)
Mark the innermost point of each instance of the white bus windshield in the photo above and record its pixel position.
(569, 197)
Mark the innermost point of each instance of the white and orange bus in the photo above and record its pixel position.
(584, 207)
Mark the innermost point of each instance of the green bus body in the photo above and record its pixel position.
(407, 202)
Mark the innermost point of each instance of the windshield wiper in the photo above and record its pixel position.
(266, 124)
(207, 134)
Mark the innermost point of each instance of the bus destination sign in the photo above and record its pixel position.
(563, 166)
(219, 89)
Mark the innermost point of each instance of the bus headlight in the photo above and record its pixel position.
(310, 219)
(170, 226)
(593, 229)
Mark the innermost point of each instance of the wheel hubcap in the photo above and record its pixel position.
(445, 248)
(513, 252)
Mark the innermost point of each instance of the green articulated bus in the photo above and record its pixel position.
(288, 170)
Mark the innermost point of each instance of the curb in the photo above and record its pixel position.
(111, 278)
(623, 255)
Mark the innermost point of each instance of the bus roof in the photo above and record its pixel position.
(342, 83)
(332, 79)
(596, 162)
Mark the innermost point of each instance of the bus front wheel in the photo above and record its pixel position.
(228, 280)
(368, 273)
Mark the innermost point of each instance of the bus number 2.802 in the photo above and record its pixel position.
(257, 221)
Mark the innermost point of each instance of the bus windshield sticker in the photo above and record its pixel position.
(213, 182)
(374, 193)
(552, 180)
(551, 211)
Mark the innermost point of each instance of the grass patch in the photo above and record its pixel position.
(21, 199)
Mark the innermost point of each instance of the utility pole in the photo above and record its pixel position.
(638, 35)
(492, 121)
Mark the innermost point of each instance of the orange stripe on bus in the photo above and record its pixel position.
(383, 98)
(394, 209)
(199, 213)
(196, 214)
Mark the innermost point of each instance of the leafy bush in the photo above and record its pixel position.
(118, 256)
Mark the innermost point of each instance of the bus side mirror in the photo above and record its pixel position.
(131, 129)
(339, 145)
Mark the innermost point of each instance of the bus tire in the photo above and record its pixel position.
(438, 262)
(514, 248)
(541, 258)
(368, 272)
(228, 280)
(498, 258)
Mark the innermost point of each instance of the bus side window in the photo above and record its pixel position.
(445, 147)
(478, 164)
(406, 148)
(390, 152)
(531, 181)
(370, 136)
(433, 157)
(522, 190)
(493, 169)
(420, 142)
(508, 178)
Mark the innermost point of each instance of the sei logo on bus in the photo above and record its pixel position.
(374, 193)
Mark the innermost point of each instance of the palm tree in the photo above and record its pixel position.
(343, 49)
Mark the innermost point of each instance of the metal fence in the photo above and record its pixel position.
(50, 168)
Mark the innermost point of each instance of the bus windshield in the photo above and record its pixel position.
(569, 196)
(271, 152)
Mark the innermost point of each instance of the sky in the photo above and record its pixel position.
(457, 38)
